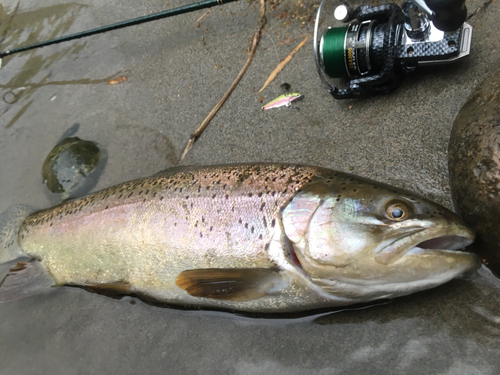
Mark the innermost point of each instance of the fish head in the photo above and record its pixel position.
(365, 240)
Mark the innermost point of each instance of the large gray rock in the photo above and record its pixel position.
(474, 166)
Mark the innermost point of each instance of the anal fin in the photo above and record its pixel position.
(234, 284)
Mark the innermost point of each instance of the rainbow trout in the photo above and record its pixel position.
(250, 237)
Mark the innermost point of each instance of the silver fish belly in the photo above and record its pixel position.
(252, 237)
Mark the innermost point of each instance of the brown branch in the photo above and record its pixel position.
(255, 41)
(282, 64)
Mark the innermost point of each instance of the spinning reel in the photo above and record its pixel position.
(381, 43)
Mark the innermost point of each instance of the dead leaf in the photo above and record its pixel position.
(117, 80)
(282, 64)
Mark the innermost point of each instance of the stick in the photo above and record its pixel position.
(199, 19)
(255, 41)
(282, 64)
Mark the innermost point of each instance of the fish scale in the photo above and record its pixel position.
(225, 213)
(253, 237)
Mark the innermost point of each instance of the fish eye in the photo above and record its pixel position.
(397, 211)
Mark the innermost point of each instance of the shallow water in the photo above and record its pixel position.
(174, 78)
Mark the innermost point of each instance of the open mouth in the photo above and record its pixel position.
(423, 241)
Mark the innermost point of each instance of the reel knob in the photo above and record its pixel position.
(449, 15)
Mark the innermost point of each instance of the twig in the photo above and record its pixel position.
(199, 19)
(282, 64)
(255, 41)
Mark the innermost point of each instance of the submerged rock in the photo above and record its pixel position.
(69, 165)
(474, 167)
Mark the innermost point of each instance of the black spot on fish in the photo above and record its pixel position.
(213, 196)
(147, 191)
(354, 190)
(161, 198)
(252, 229)
(246, 225)
(196, 224)
(121, 195)
(130, 194)
(107, 207)
(267, 246)
(201, 234)
(50, 225)
(262, 206)
(375, 187)
(273, 223)
(224, 187)
(227, 196)
(175, 224)
(240, 221)
(265, 221)
(260, 236)
(208, 187)
(250, 195)
(211, 229)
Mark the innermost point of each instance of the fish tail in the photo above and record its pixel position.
(10, 221)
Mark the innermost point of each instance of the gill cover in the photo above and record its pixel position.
(309, 224)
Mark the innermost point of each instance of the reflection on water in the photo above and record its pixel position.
(20, 29)
(453, 329)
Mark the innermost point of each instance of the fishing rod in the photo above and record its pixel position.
(120, 25)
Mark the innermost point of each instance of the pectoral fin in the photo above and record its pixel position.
(233, 284)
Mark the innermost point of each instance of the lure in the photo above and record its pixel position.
(285, 99)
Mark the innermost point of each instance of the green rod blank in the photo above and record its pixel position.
(121, 25)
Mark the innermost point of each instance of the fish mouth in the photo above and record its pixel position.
(426, 241)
